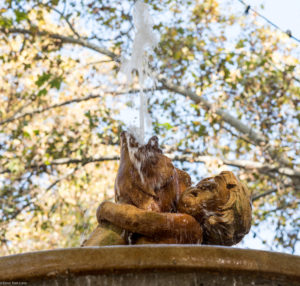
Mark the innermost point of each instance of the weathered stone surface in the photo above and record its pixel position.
(105, 234)
(157, 203)
(216, 211)
(160, 227)
(152, 265)
(222, 206)
(145, 176)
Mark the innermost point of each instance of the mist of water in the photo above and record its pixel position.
(145, 40)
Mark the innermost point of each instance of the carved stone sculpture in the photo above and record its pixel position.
(157, 204)
(222, 206)
(146, 178)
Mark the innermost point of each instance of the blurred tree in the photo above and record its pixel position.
(227, 97)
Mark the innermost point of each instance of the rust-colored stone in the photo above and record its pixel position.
(184, 180)
(157, 202)
(222, 206)
(105, 234)
(146, 178)
(160, 227)
(209, 266)
(217, 209)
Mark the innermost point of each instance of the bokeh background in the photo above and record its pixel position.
(226, 98)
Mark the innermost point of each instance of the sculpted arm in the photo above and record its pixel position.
(182, 228)
(216, 211)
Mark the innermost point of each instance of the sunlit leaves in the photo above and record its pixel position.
(20, 16)
(56, 82)
(42, 79)
(251, 74)
(5, 22)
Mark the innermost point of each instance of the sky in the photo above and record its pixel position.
(283, 13)
(286, 15)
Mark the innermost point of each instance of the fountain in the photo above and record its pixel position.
(161, 230)
(157, 204)
(151, 265)
(171, 228)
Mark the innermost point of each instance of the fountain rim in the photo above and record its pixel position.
(108, 259)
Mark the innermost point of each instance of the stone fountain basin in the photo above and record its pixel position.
(151, 265)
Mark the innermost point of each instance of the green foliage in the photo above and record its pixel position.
(20, 16)
(5, 22)
(42, 79)
(60, 112)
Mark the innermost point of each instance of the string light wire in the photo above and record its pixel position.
(287, 32)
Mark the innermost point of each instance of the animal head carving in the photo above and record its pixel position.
(222, 205)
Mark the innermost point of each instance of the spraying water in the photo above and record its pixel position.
(143, 45)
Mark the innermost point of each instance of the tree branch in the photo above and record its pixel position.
(64, 39)
(41, 110)
(64, 17)
(255, 136)
(75, 100)
(287, 205)
(62, 178)
(243, 137)
(68, 161)
(258, 196)
(244, 164)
